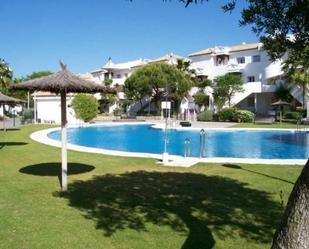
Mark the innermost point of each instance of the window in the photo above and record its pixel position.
(251, 79)
(118, 76)
(241, 60)
(256, 58)
(126, 75)
(222, 60)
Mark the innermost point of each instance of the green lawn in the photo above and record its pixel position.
(118, 203)
(274, 125)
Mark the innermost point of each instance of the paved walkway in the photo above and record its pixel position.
(198, 124)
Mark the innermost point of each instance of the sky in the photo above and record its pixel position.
(36, 34)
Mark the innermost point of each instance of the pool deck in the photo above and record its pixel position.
(173, 160)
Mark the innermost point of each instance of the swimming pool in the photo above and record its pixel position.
(228, 143)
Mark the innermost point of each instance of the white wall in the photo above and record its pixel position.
(205, 64)
(49, 110)
(262, 72)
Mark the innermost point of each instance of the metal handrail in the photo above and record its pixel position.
(202, 143)
(187, 147)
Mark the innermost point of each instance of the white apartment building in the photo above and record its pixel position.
(260, 75)
(119, 72)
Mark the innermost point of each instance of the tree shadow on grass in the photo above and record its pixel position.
(3, 144)
(8, 129)
(235, 166)
(54, 169)
(189, 203)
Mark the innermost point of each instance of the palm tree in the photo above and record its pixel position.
(6, 74)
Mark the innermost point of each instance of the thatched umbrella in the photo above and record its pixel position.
(280, 103)
(62, 82)
(6, 100)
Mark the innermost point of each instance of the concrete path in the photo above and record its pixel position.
(197, 124)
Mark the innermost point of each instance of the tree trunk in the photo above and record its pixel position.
(293, 232)
(304, 92)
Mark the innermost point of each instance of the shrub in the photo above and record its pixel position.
(117, 111)
(205, 116)
(227, 114)
(243, 116)
(302, 112)
(201, 99)
(292, 115)
(27, 116)
(85, 106)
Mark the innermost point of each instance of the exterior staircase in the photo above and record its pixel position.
(137, 106)
(297, 93)
(249, 88)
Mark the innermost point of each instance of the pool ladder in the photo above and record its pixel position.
(300, 127)
(187, 149)
(202, 143)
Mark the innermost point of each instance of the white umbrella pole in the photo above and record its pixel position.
(64, 160)
(4, 127)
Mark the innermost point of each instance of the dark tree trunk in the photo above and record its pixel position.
(293, 232)
(304, 93)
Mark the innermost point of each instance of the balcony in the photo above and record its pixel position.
(234, 68)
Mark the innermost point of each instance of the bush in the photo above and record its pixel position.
(85, 106)
(302, 112)
(27, 116)
(243, 116)
(117, 111)
(205, 116)
(227, 114)
(292, 115)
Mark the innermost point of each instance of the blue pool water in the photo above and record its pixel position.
(223, 143)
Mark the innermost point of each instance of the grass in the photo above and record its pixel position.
(117, 203)
(274, 125)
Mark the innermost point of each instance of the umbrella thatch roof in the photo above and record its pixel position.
(9, 100)
(63, 80)
(280, 103)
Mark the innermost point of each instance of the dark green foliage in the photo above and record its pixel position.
(6, 74)
(283, 92)
(27, 116)
(117, 112)
(225, 87)
(227, 114)
(85, 106)
(201, 99)
(107, 100)
(153, 78)
(243, 116)
(202, 83)
(292, 115)
(235, 115)
(205, 116)
(108, 82)
(184, 66)
(302, 112)
(38, 74)
(275, 28)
